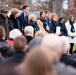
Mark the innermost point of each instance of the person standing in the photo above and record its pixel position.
(33, 23)
(54, 19)
(13, 21)
(70, 25)
(4, 21)
(47, 15)
(23, 18)
(42, 23)
(63, 29)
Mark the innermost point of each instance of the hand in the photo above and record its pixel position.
(47, 28)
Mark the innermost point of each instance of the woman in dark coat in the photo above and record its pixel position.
(63, 29)
(54, 22)
(13, 21)
(33, 23)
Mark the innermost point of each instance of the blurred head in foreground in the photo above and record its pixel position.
(37, 62)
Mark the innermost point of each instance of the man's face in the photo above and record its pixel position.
(26, 10)
(43, 15)
(48, 14)
(4, 14)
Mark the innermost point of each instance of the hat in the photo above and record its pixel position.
(3, 10)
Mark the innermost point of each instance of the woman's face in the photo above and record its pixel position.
(43, 15)
(17, 15)
(62, 21)
(55, 18)
(34, 18)
(72, 19)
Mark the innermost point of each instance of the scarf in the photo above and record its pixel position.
(35, 25)
(72, 27)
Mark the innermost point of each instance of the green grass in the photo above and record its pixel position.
(74, 48)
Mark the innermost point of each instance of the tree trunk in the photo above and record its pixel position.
(57, 7)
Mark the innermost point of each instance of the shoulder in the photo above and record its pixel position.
(67, 23)
(39, 21)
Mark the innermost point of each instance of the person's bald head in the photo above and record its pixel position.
(65, 44)
(53, 42)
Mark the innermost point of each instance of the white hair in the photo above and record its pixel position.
(52, 41)
(14, 33)
(66, 44)
(31, 16)
(28, 30)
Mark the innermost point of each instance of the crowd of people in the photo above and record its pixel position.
(31, 45)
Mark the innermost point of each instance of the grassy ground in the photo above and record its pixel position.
(74, 48)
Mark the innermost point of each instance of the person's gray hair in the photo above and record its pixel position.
(52, 41)
(14, 33)
(28, 30)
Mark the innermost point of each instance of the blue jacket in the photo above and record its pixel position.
(49, 24)
(23, 20)
(35, 26)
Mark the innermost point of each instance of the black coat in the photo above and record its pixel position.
(5, 49)
(4, 23)
(23, 21)
(34, 25)
(16, 59)
(29, 38)
(53, 26)
(12, 23)
(68, 60)
(63, 30)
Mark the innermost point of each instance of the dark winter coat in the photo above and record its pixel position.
(5, 49)
(63, 30)
(4, 23)
(23, 21)
(12, 23)
(34, 25)
(53, 26)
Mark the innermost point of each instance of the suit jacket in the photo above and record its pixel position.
(23, 21)
(49, 24)
(68, 60)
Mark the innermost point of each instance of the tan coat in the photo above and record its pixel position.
(40, 24)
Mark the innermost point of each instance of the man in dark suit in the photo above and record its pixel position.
(23, 18)
(47, 12)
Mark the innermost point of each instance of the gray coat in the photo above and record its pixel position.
(62, 69)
